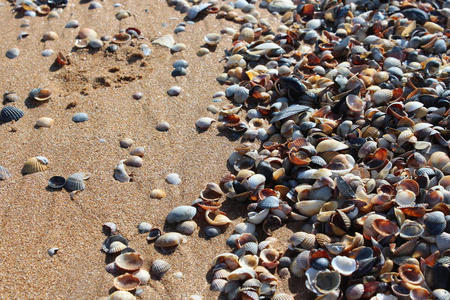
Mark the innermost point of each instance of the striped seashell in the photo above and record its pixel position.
(406, 248)
(221, 274)
(35, 164)
(116, 247)
(4, 173)
(160, 267)
(75, 182)
(121, 295)
(130, 261)
(282, 296)
(435, 222)
(443, 241)
(106, 247)
(218, 285)
(10, 113)
(186, 227)
(126, 282)
(143, 275)
(354, 292)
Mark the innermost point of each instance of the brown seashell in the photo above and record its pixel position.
(134, 161)
(43, 95)
(126, 282)
(87, 33)
(411, 274)
(121, 38)
(130, 261)
(61, 59)
(385, 227)
(35, 164)
(50, 36)
(157, 194)
(216, 218)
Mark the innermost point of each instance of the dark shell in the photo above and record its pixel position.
(10, 113)
(290, 111)
(56, 182)
(435, 222)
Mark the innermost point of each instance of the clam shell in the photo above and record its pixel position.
(134, 161)
(10, 113)
(126, 282)
(170, 239)
(35, 164)
(181, 213)
(269, 202)
(410, 230)
(106, 247)
(144, 227)
(173, 178)
(160, 267)
(130, 261)
(327, 281)
(157, 194)
(435, 222)
(45, 122)
(121, 38)
(186, 227)
(42, 95)
(56, 182)
(212, 39)
(241, 274)
(249, 261)
(75, 182)
(309, 208)
(354, 292)
(344, 265)
(138, 151)
(87, 33)
(126, 142)
(121, 295)
(330, 145)
(411, 274)
(4, 173)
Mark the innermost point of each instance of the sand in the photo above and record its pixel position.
(35, 218)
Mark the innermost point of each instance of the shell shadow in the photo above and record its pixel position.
(234, 209)
(109, 258)
(55, 66)
(52, 190)
(231, 136)
(211, 48)
(31, 103)
(297, 287)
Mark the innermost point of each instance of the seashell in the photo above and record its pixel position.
(160, 267)
(204, 123)
(120, 173)
(435, 222)
(354, 292)
(344, 265)
(282, 296)
(177, 48)
(258, 218)
(385, 227)
(173, 178)
(109, 246)
(95, 5)
(80, 117)
(165, 41)
(212, 39)
(406, 248)
(218, 285)
(212, 192)
(72, 24)
(309, 208)
(12, 53)
(75, 182)
(443, 241)
(181, 213)
(249, 261)
(170, 239)
(405, 198)
(87, 33)
(10, 113)
(153, 234)
(122, 14)
(186, 227)
(269, 258)
(50, 36)
(327, 281)
(121, 38)
(126, 142)
(35, 164)
(138, 151)
(330, 145)
(95, 43)
(42, 95)
(440, 294)
(163, 126)
(246, 35)
(134, 161)
(212, 231)
(241, 274)
(45, 122)
(410, 230)
(143, 275)
(126, 282)
(256, 182)
(269, 202)
(130, 261)
(4, 173)
(216, 218)
(193, 11)
(10, 97)
(55, 182)
(144, 227)
(411, 274)
(121, 295)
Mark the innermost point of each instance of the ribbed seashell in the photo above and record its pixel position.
(186, 227)
(75, 182)
(344, 265)
(410, 230)
(120, 173)
(406, 248)
(282, 296)
(354, 292)
(35, 164)
(231, 260)
(382, 96)
(130, 261)
(258, 217)
(218, 285)
(221, 274)
(170, 239)
(106, 247)
(116, 247)
(438, 159)
(443, 241)
(121, 295)
(368, 230)
(4, 173)
(160, 267)
(441, 294)
(143, 275)
(126, 282)
(435, 222)
(245, 227)
(134, 161)
(246, 35)
(322, 239)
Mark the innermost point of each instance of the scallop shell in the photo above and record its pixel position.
(126, 282)
(121, 295)
(75, 182)
(45, 122)
(35, 164)
(134, 161)
(4, 173)
(131, 261)
(10, 113)
(160, 267)
(170, 239)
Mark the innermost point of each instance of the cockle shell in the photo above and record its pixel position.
(75, 182)
(10, 113)
(121, 295)
(160, 267)
(109, 246)
(143, 275)
(130, 261)
(186, 227)
(126, 282)
(35, 164)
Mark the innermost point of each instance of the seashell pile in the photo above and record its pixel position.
(350, 103)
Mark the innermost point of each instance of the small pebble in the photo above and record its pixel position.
(95, 5)
(180, 64)
(47, 52)
(72, 24)
(164, 126)
(13, 53)
(212, 231)
(95, 44)
(178, 275)
(52, 251)
(105, 38)
(157, 194)
(137, 96)
(174, 91)
(179, 29)
(203, 51)
(80, 117)
(180, 71)
(139, 291)
(213, 109)
(112, 48)
(174, 179)
(219, 94)
(102, 141)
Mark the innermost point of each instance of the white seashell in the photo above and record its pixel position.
(344, 265)
(204, 123)
(120, 174)
(256, 181)
(45, 122)
(121, 295)
(245, 228)
(173, 178)
(165, 41)
(143, 275)
(134, 161)
(258, 218)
